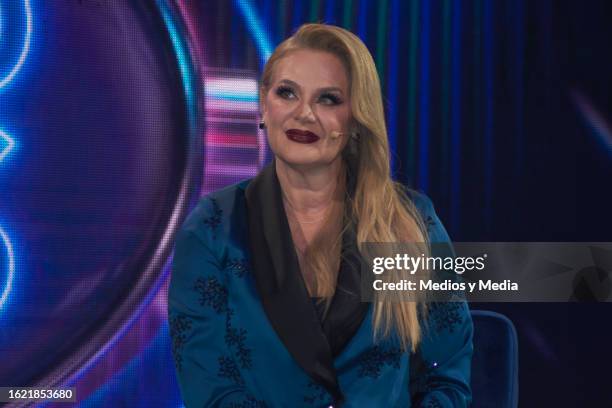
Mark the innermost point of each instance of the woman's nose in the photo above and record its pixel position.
(304, 113)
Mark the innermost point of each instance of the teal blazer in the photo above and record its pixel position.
(245, 333)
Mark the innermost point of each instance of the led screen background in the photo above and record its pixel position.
(116, 116)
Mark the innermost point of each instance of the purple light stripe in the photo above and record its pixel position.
(231, 106)
(235, 169)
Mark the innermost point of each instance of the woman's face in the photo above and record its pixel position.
(306, 106)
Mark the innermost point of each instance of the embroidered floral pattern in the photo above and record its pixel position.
(433, 402)
(179, 326)
(237, 266)
(214, 219)
(429, 223)
(445, 315)
(215, 295)
(317, 394)
(236, 338)
(373, 360)
(212, 293)
(229, 369)
(249, 402)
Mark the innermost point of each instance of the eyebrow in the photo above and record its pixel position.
(326, 89)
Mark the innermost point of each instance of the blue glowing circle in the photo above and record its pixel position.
(113, 165)
(25, 48)
(7, 143)
(10, 274)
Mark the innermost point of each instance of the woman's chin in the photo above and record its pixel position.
(306, 160)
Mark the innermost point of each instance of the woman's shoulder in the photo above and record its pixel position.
(426, 209)
(211, 214)
(421, 201)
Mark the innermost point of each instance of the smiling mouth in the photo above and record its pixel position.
(301, 136)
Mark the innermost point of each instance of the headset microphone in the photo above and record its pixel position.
(335, 134)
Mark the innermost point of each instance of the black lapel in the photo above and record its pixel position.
(280, 284)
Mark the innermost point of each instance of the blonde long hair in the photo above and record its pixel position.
(379, 206)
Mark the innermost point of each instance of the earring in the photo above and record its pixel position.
(355, 135)
(262, 125)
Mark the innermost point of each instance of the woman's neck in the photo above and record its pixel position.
(308, 192)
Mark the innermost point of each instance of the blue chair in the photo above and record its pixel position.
(495, 361)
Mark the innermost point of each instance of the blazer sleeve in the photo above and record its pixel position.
(197, 302)
(440, 368)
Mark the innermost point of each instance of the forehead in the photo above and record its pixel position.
(312, 68)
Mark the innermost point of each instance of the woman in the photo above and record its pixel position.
(264, 303)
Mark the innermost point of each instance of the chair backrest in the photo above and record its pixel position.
(495, 361)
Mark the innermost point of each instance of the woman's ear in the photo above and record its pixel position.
(263, 109)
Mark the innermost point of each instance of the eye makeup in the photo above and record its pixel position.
(284, 90)
(335, 99)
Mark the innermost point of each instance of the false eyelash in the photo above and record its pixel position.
(332, 97)
(282, 89)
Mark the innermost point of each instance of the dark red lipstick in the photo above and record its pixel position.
(301, 136)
